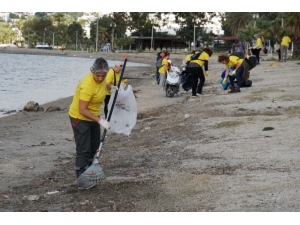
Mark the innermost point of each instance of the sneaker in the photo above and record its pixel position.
(200, 94)
(193, 96)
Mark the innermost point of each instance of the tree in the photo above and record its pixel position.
(236, 21)
(292, 23)
(187, 21)
(58, 18)
(75, 30)
(40, 14)
(13, 16)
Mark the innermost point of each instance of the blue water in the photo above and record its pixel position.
(39, 78)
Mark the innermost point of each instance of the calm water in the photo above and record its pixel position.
(39, 78)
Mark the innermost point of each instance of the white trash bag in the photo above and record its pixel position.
(124, 114)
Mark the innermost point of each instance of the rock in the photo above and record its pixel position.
(33, 198)
(52, 108)
(32, 107)
(5, 196)
(187, 116)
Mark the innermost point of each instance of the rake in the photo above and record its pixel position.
(93, 174)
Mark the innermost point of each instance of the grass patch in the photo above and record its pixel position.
(268, 128)
(228, 124)
(242, 109)
(289, 97)
(269, 107)
(260, 95)
(293, 111)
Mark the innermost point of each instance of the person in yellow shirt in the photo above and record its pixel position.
(188, 57)
(196, 69)
(186, 71)
(257, 47)
(283, 48)
(236, 63)
(112, 79)
(163, 70)
(84, 114)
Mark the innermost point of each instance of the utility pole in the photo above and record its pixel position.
(76, 39)
(97, 34)
(53, 39)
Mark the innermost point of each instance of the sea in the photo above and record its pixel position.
(41, 78)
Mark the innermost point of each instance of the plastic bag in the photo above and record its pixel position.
(124, 114)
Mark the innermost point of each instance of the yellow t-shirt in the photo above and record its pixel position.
(188, 57)
(233, 60)
(258, 43)
(91, 91)
(162, 69)
(110, 79)
(285, 40)
(199, 61)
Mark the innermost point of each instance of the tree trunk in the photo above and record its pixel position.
(296, 50)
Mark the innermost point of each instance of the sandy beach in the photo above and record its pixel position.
(235, 153)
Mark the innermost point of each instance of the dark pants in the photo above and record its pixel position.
(197, 73)
(279, 54)
(106, 101)
(238, 76)
(157, 76)
(87, 140)
(256, 53)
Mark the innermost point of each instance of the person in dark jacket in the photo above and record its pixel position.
(159, 55)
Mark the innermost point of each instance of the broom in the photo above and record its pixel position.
(92, 175)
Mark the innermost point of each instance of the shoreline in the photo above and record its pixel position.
(216, 152)
(15, 50)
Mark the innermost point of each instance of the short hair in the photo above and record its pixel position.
(222, 58)
(208, 51)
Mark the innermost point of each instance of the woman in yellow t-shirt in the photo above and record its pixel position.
(257, 47)
(236, 63)
(163, 70)
(84, 114)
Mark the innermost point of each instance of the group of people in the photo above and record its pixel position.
(236, 67)
(92, 91)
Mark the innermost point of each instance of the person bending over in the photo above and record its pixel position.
(196, 70)
(236, 63)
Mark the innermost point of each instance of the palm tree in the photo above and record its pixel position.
(236, 21)
(292, 22)
(103, 34)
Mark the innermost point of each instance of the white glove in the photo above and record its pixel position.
(233, 72)
(104, 123)
(114, 88)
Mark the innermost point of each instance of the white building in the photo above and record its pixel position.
(4, 16)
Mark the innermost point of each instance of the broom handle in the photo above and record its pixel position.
(112, 106)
